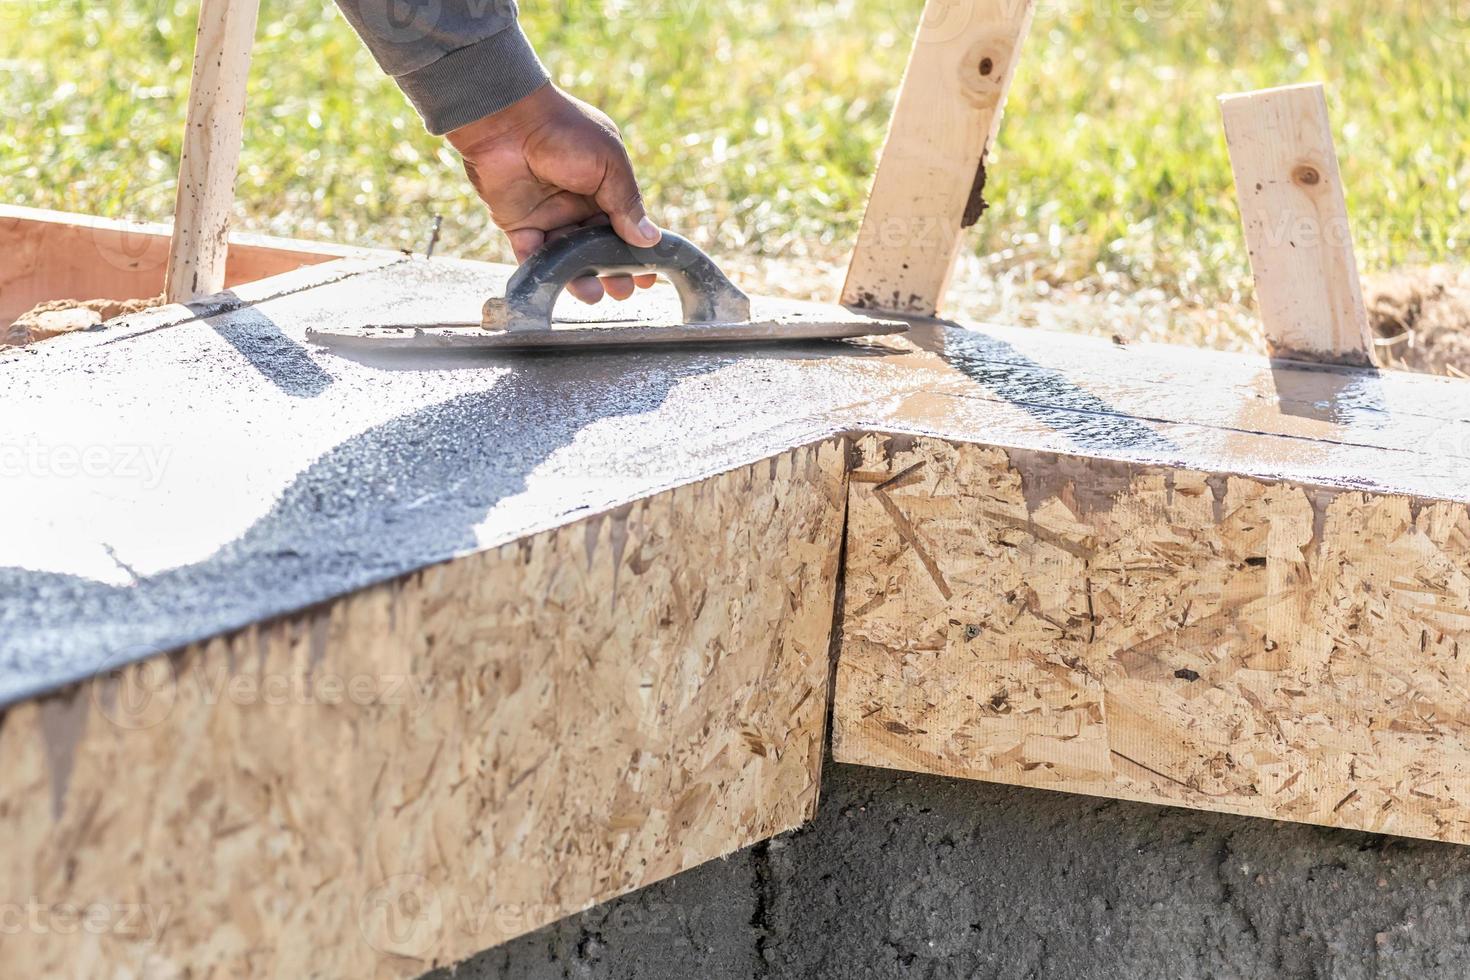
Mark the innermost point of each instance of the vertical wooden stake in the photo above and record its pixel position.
(211, 154)
(931, 177)
(1296, 225)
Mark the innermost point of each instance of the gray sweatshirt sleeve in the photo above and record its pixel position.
(456, 60)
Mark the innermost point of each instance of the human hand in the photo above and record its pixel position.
(549, 164)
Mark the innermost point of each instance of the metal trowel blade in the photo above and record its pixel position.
(834, 324)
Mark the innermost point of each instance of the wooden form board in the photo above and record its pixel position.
(1242, 645)
(433, 766)
(930, 182)
(51, 255)
(1294, 210)
(213, 133)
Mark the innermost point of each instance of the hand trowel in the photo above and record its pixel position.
(714, 309)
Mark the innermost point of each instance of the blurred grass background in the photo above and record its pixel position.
(755, 125)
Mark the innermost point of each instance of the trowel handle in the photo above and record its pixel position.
(706, 295)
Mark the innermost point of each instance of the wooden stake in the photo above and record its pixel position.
(931, 178)
(1296, 225)
(211, 153)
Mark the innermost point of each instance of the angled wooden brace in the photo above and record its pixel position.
(931, 177)
(211, 155)
(1296, 225)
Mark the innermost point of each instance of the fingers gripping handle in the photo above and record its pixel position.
(704, 292)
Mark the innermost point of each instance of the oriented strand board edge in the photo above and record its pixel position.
(425, 769)
(1169, 636)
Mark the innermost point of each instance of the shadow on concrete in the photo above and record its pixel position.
(380, 504)
(1048, 395)
(1328, 393)
(274, 356)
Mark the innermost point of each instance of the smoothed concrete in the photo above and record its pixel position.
(168, 483)
(242, 473)
(923, 877)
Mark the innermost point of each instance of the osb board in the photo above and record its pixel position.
(426, 769)
(1173, 637)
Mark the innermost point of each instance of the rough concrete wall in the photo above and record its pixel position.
(925, 877)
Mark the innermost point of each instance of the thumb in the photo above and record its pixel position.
(619, 197)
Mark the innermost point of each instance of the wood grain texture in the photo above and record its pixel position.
(930, 182)
(1294, 210)
(53, 255)
(430, 767)
(1156, 634)
(213, 133)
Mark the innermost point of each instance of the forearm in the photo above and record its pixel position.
(456, 60)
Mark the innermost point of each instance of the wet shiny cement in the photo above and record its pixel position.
(162, 486)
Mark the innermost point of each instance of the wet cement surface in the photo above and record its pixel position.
(184, 482)
(923, 877)
(162, 486)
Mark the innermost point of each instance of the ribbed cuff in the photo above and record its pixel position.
(474, 81)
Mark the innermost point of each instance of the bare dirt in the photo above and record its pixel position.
(56, 317)
(1421, 318)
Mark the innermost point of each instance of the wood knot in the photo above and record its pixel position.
(1307, 175)
(982, 69)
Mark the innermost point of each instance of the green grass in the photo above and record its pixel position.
(755, 124)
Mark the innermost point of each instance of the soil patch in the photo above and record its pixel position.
(1421, 318)
(56, 317)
